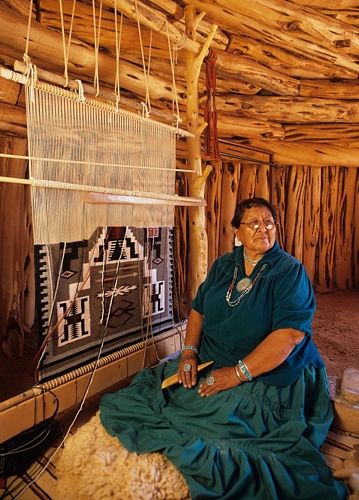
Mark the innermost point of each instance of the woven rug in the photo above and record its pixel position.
(35, 483)
(122, 283)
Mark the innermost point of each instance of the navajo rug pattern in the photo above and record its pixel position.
(116, 285)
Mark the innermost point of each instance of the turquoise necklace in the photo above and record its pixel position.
(244, 286)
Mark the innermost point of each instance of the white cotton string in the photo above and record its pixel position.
(81, 91)
(28, 30)
(66, 50)
(71, 142)
(147, 98)
(118, 38)
(174, 90)
(96, 44)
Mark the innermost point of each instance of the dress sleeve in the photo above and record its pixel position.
(294, 301)
(198, 301)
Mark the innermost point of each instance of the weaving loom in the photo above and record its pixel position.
(84, 147)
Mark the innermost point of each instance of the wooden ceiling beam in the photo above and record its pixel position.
(311, 154)
(282, 60)
(307, 24)
(289, 109)
(46, 45)
(261, 23)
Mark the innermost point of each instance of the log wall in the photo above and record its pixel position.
(317, 208)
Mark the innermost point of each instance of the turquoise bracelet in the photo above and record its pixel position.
(189, 347)
(244, 370)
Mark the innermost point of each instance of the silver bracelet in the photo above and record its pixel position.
(189, 347)
(239, 373)
(244, 370)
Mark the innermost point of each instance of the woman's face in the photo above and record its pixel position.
(260, 240)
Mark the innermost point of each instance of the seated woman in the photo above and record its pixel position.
(250, 425)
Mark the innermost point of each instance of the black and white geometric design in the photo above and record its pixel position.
(110, 285)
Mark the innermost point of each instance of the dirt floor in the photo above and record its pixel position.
(336, 332)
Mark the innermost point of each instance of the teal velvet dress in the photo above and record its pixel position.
(259, 440)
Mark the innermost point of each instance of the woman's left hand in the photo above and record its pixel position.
(218, 380)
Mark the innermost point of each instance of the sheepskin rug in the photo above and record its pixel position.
(94, 465)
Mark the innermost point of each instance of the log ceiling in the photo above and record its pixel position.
(287, 71)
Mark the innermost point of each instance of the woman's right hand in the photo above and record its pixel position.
(187, 369)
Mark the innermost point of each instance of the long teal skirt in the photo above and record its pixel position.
(255, 441)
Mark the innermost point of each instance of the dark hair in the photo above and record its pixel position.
(250, 203)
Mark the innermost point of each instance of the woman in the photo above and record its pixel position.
(250, 426)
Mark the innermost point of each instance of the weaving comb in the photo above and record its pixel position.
(173, 379)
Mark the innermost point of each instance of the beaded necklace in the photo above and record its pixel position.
(252, 262)
(249, 284)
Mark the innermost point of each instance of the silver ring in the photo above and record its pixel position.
(210, 380)
(187, 367)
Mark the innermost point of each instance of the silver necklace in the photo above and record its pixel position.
(252, 262)
(244, 286)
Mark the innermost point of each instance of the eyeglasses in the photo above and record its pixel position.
(256, 224)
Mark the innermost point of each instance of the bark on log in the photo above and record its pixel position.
(263, 181)
(288, 109)
(46, 45)
(154, 20)
(356, 237)
(327, 236)
(255, 73)
(343, 271)
(251, 71)
(284, 61)
(198, 248)
(310, 24)
(247, 187)
(9, 91)
(296, 181)
(328, 4)
(313, 154)
(229, 186)
(231, 126)
(329, 89)
(317, 33)
(321, 132)
(311, 223)
(13, 121)
(278, 198)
